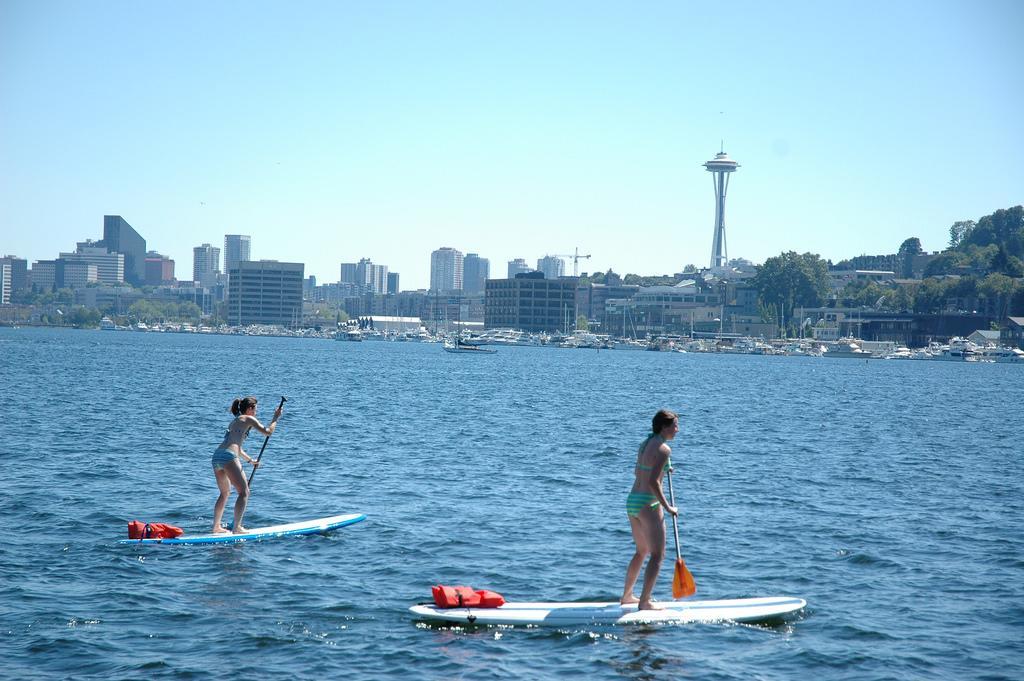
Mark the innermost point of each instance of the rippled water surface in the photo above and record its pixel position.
(887, 494)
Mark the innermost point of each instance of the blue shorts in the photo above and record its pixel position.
(222, 457)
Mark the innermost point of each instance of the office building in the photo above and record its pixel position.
(75, 274)
(551, 266)
(159, 269)
(475, 272)
(110, 265)
(529, 302)
(265, 292)
(119, 237)
(19, 272)
(518, 266)
(237, 248)
(44, 275)
(205, 265)
(392, 282)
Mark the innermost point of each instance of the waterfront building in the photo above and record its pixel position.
(159, 269)
(205, 264)
(475, 272)
(120, 237)
(19, 272)
(666, 310)
(446, 269)
(110, 265)
(237, 248)
(838, 279)
(551, 266)
(529, 302)
(591, 300)
(392, 282)
(265, 292)
(720, 168)
(518, 266)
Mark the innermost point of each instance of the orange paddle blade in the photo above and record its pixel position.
(682, 582)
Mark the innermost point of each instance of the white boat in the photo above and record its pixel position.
(354, 335)
(1001, 355)
(958, 350)
(107, 324)
(845, 347)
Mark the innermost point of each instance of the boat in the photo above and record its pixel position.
(107, 324)
(458, 346)
(957, 350)
(845, 347)
(354, 335)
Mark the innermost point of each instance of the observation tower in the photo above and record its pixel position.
(720, 167)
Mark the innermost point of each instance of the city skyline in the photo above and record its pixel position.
(857, 127)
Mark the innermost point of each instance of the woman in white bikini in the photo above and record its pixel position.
(226, 466)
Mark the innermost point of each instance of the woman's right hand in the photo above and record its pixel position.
(672, 510)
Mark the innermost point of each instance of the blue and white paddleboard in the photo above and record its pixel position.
(316, 526)
(575, 614)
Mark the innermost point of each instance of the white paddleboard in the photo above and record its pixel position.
(316, 526)
(574, 614)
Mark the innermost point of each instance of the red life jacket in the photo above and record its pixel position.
(140, 530)
(465, 597)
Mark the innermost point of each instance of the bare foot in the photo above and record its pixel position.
(649, 605)
(629, 600)
(221, 530)
(239, 530)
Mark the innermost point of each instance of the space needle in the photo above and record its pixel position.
(720, 167)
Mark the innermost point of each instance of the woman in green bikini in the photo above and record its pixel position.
(645, 505)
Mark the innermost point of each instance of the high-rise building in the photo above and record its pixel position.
(19, 272)
(371, 278)
(475, 272)
(446, 270)
(205, 264)
(517, 266)
(159, 269)
(392, 282)
(237, 248)
(119, 237)
(552, 266)
(265, 292)
(110, 265)
(5, 282)
(720, 167)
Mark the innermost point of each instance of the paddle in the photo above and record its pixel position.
(251, 475)
(682, 581)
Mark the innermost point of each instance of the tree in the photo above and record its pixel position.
(905, 257)
(792, 280)
(1004, 263)
(1000, 289)
(958, 231)
(582, 324)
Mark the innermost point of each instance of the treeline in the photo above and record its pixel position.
(987, 254)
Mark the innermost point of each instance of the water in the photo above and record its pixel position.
(888, 494)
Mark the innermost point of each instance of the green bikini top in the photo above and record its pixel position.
(668, 464)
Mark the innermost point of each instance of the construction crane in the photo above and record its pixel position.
(576, 257)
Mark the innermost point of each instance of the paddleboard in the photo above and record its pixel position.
(574, 614)
(316, 526)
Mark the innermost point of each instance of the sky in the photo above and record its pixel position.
(339, 130)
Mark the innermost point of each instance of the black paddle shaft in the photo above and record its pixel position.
(265, 441)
